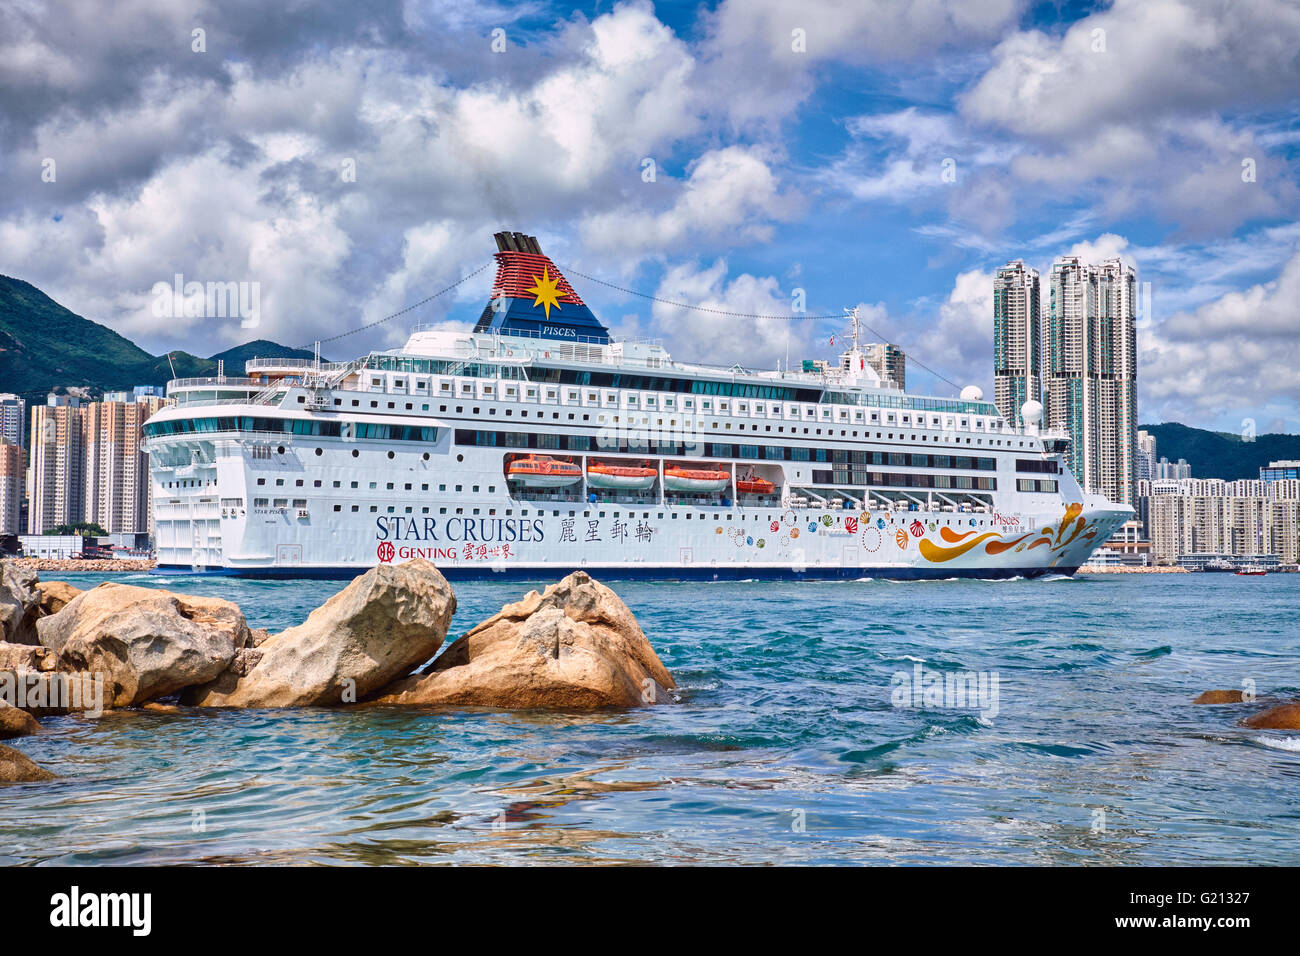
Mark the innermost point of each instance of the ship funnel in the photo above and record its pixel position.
(532, 298)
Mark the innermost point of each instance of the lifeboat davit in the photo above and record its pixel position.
(755, 486)
(620, 477)
(696, 480)
(542, 471)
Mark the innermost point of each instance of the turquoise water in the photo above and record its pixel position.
(784, 748)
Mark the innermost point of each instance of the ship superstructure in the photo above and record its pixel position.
(536, 443)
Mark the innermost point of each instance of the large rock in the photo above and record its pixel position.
(575, 647)
(16, 767)
(144, 642)
(15, 722)
(56, 693)
(19, 603)
(27, 657)
(383, 625)
(1281, 717)
(56, 595)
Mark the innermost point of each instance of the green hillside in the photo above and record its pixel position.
(44, 346)
(258, 348)
(1221, 454)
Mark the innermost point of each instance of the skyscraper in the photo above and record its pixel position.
(87, 464)
(1091, 372)
(11, 487)
(1145, 456)
(13, 420)
(1144, 471)
(117, 469)
(1017, 339)
(56, 493)
(889, 362)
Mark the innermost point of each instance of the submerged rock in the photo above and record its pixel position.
(1281, 717)
(1220, 697)
(15, 722)
(575, 647)
(144, 642)
(17, 767)
(380, 627)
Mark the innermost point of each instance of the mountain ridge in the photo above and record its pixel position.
(46, 346)
(1214, 454)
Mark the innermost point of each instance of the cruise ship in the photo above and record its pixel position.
(536, 444)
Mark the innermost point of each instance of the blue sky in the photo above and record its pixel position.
(796, 146)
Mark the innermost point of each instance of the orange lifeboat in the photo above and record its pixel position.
(754, 486)
(543, 471)
(696, 480)
(620, 477)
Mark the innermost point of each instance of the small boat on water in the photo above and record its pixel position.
(1251, 570)
(620, 477)
(543, 471)
(695, 480)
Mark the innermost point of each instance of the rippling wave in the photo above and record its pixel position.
(786, 745)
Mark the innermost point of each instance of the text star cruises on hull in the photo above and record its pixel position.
(537, 444)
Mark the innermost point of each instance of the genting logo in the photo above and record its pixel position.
(386, 551)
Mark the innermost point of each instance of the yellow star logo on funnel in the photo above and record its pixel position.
(546, 290)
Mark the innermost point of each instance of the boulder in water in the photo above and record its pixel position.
(144, 642)
(17, 767)
(1282, 717)
(1220, 697)
(15, 722)
(383, 625)
(576, 646)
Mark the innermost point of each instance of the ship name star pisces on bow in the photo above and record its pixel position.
(547, 291)
(529, 445)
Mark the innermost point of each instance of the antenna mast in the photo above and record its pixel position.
(853, 313)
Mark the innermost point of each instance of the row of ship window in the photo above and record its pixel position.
(366, 430)
(704, 449)
(651, 383)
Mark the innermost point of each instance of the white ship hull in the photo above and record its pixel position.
(491, 526)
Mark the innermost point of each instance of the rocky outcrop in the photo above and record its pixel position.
(19, 603)
(16, 767)
(1282, 717)
(55, 596)
(380, 627)
(1220, 697)
(56, 693)
(144, 642)
(27, 657)
(15, 722)
(576, 646)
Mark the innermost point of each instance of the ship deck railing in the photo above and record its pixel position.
(211, 382)
(255, 364)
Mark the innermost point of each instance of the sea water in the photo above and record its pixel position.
(815, 723)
